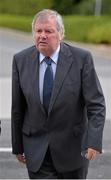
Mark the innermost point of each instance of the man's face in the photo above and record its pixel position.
(46, 36)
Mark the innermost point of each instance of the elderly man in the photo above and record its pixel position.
(58, 107)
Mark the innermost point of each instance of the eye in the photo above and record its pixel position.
(49, 31)
(38, 30)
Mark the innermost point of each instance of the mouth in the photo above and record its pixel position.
(43, 43)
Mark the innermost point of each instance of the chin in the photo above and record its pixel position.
(43, 51)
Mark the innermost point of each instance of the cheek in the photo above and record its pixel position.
(36, 39)
(55, 39)
(35, 36)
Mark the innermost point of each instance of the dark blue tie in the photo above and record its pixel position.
(48, 83)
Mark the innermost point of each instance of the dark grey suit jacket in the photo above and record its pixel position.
(76, 114)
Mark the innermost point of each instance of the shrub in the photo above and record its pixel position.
(22, 23)
(100, 34)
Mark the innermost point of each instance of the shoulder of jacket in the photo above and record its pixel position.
(25, 52)
(76, 49)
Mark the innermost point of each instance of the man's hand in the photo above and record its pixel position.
(21, 158)
(91, 154)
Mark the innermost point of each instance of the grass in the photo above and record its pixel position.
(78, 28)
(22, 23)
(88, 29)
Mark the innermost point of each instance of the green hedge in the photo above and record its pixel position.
(22, 23)
(102, 34)
(88, 28)
(78, 28)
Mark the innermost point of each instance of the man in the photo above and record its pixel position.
(58, 108)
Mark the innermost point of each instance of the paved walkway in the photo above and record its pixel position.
(99, 50)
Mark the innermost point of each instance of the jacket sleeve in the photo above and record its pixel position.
(95, 105)
(17, 111)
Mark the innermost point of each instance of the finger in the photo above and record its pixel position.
(90, 155)
(22, 161)
(21, 158)
(94, 154)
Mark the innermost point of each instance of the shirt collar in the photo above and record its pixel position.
(54, 56)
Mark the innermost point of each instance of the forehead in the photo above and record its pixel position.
(47, 21)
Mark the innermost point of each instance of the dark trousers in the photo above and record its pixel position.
(48, 171)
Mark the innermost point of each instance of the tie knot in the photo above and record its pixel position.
(48, 60)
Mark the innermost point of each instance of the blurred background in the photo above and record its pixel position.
(85, 20)
(87, 25)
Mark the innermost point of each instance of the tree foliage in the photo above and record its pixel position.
(65, 7)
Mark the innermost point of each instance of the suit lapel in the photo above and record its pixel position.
(64, 63)
(34, 76)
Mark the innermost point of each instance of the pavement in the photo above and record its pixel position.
(102, 50)
(10, 43)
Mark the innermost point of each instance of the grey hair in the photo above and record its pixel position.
(44, 14)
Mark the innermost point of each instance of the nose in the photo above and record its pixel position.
(43, 35)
